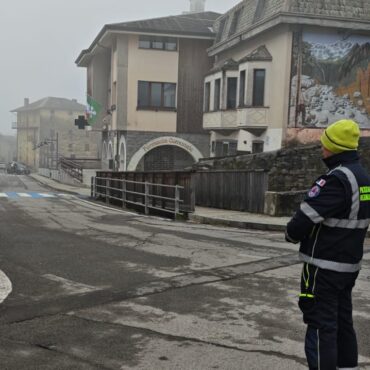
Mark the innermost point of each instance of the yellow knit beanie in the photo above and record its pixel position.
(341, 136)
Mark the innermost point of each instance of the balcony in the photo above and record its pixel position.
(252, 118)
(14, 125)
(220, 120)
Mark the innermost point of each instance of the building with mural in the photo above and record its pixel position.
(148, 76)
(46, 132)
(284, 70)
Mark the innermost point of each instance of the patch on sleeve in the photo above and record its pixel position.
(321, 183)
(314, 192)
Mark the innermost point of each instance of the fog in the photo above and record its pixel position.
(40, 40)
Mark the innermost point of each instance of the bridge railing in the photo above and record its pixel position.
(163, 192)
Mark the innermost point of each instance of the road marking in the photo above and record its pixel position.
(44, 195)
(5, 286)
(73, 287)
(24, 195)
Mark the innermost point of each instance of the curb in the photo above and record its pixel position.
(240, 224)
(236, 224)
(47, 185)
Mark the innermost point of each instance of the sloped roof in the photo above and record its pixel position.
(188, 24)
(52, 103)
(260, 54)
(254, 13)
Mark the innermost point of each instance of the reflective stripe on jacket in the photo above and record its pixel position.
(333, 219)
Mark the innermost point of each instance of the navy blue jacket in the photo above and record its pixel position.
(333, 219)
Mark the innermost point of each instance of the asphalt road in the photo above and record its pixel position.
(99, 288)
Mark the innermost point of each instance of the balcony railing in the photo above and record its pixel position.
(248, 117)
(220, 119)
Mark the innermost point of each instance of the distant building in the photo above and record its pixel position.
(284, 70)
(46, 130)
(148, 75)
(8, 151)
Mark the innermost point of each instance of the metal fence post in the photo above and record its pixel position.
(177, 201)
(124, 194)
(93, 187)
(107, 191)
(146, 198)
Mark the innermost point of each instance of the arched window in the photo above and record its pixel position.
(105, 150)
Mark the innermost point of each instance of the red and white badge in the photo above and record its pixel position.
(314, 192)
(321, 183)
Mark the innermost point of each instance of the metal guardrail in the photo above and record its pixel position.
(128, 192)
(73, 169)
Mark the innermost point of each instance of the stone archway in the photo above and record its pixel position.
(164, 141)
(122, 154)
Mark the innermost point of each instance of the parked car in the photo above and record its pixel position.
(17, 169)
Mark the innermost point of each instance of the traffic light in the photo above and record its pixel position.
(81, 122)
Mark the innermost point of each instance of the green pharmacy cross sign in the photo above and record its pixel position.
(93, 109)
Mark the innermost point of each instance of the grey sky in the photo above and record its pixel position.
(40, 40)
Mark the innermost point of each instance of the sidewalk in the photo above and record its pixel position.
(211, 216)
(202, 215)
(244, 220)
(55, 185)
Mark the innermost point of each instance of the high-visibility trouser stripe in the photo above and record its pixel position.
(330, 265)
(347, 224)
(311, 213)
(307, 295)
(355, 191)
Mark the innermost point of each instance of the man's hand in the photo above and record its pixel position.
(289, 239)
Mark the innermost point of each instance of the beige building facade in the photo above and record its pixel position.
(46, 132)
(276, 76)
(148, 75)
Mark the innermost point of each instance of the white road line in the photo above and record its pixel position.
(24, 195)
(72, 287)
(3, 195)
(43, 195)
(5, 286)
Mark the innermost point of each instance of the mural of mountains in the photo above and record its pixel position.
(335, 51)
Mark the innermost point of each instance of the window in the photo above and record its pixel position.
(231, 92)
(158, 43)
(169, 95)
(70, 147)
(87, 147)
(213, 146)
(144, 42)
(259, 87)
(217, 94)
(235, 21)
(257, 147)
(226, 148)
(242, 89)
(156, 95)
(207, 96)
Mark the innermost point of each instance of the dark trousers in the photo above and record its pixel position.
(326, 303)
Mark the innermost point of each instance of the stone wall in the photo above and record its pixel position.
(291, 172)
(290, 169)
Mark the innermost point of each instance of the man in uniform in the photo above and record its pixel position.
(331, 226)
